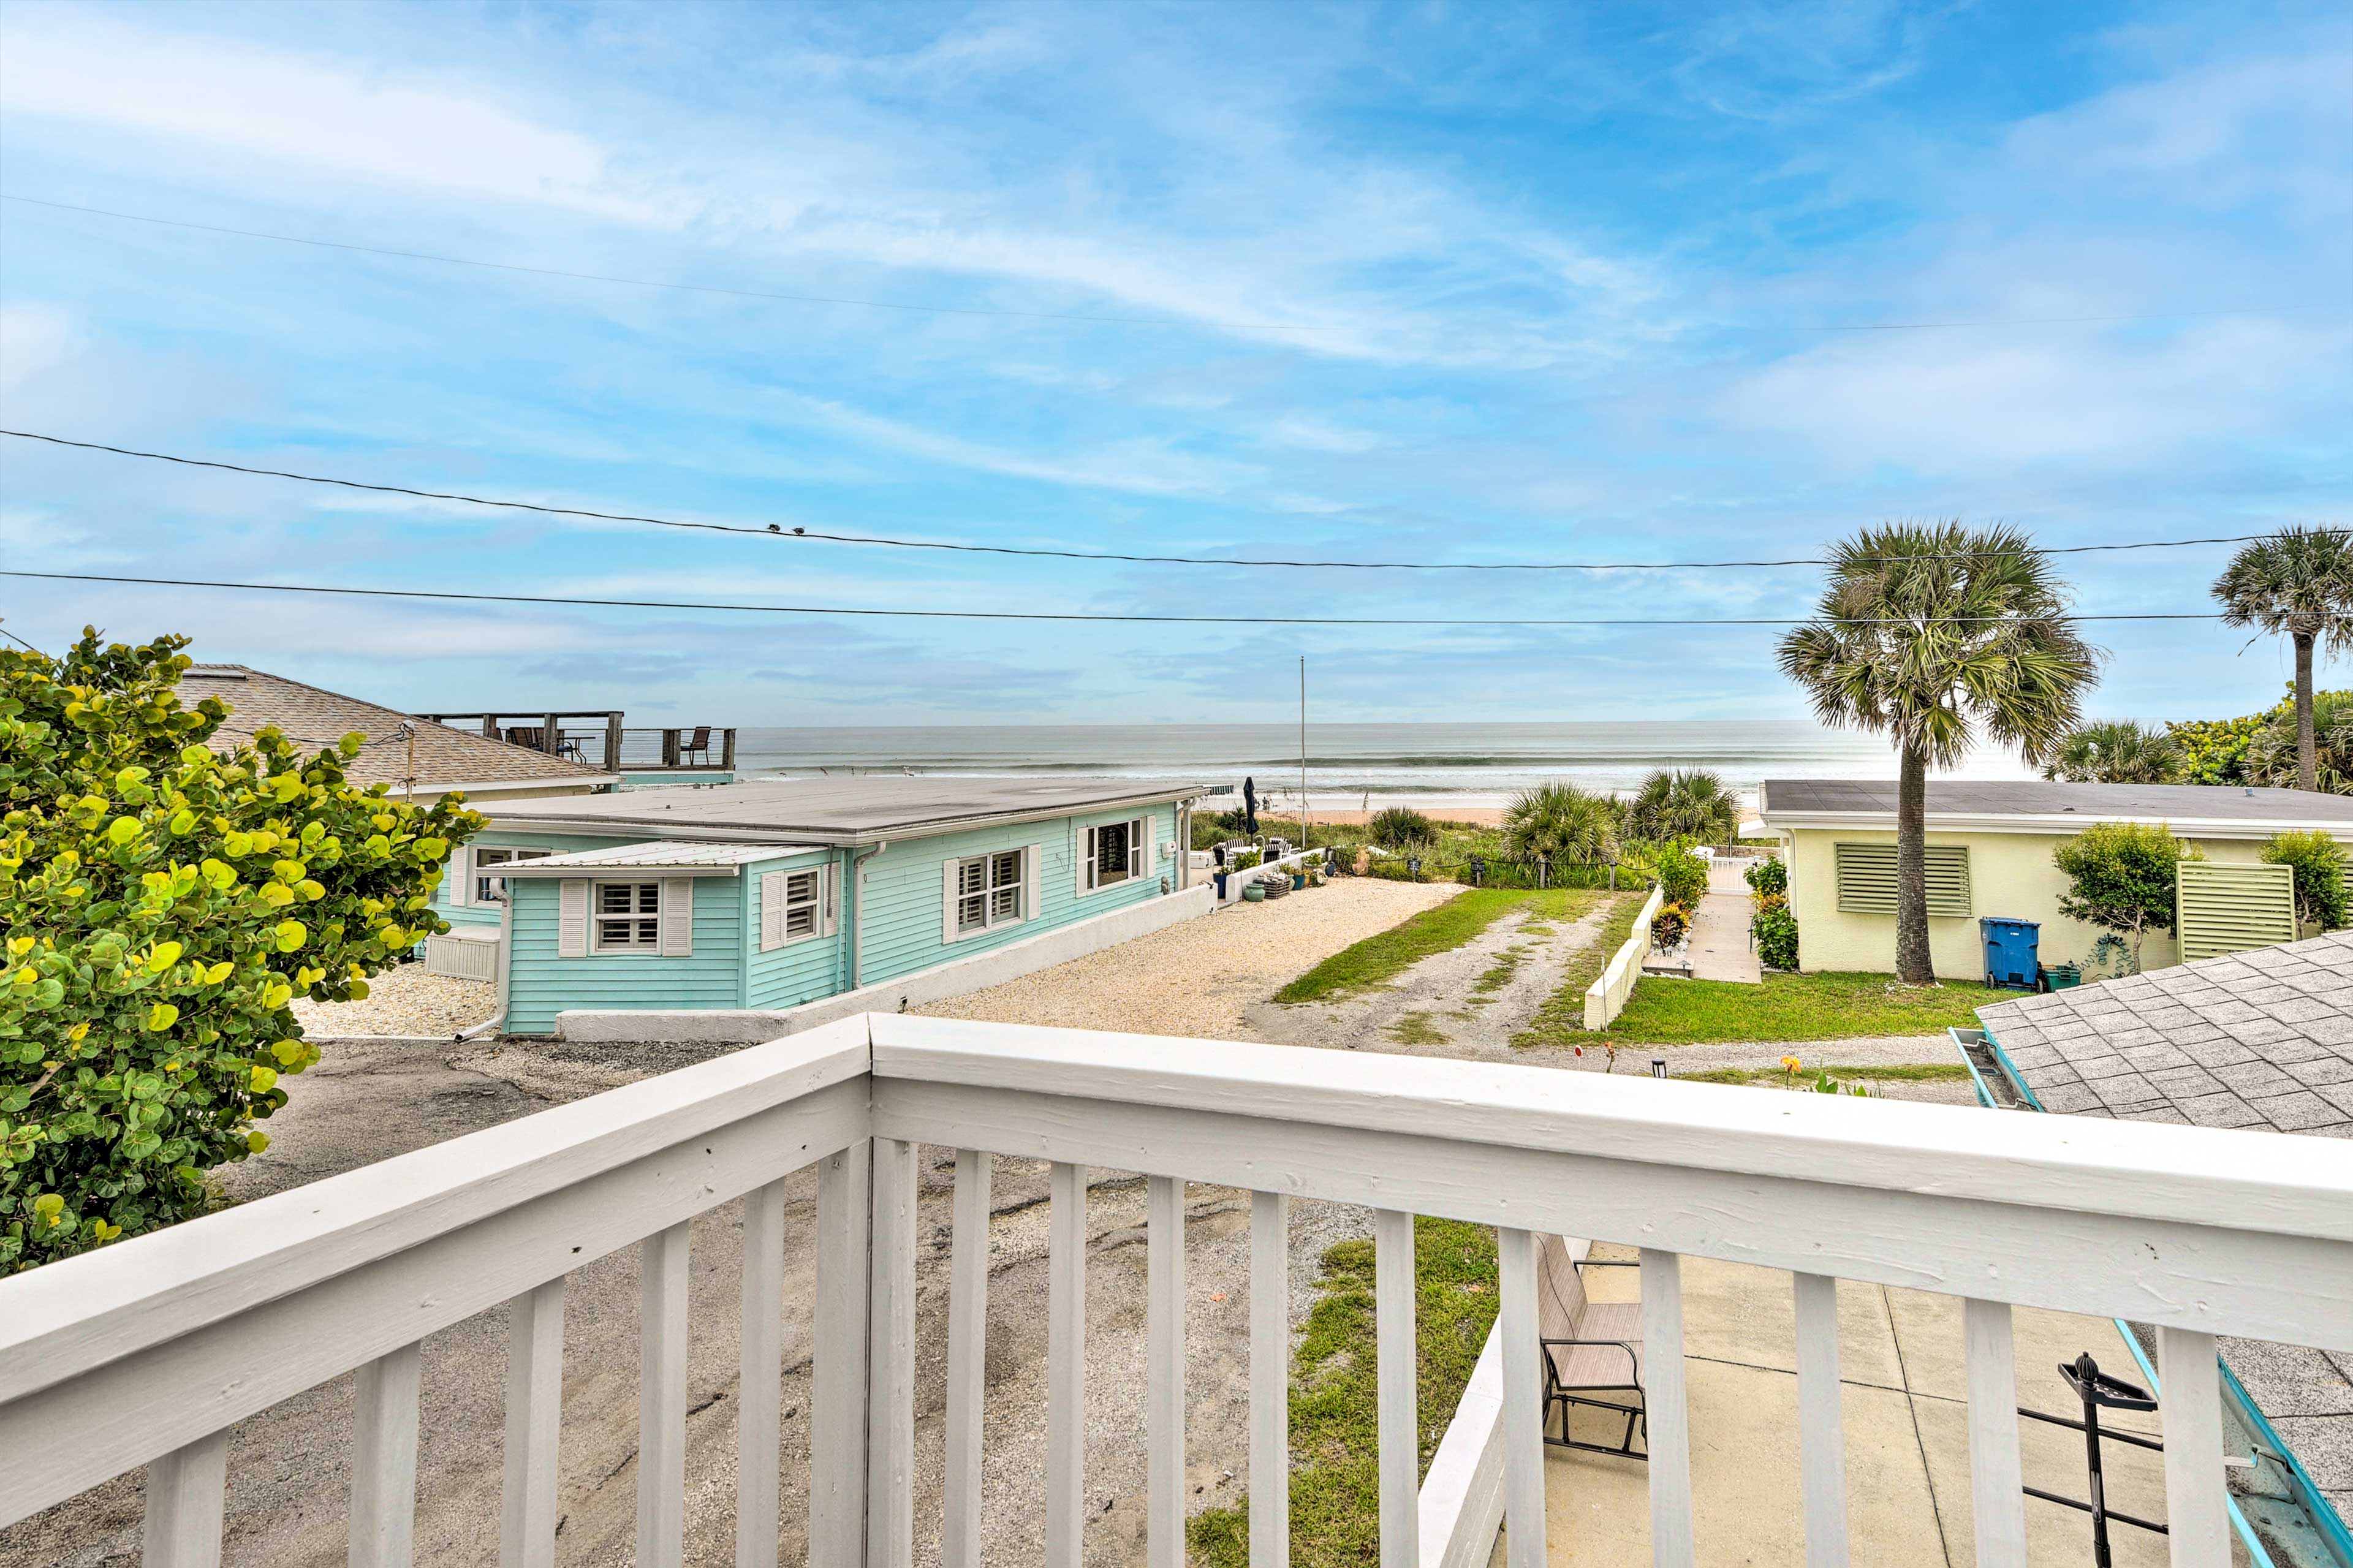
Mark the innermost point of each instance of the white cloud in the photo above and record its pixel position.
(301, 109)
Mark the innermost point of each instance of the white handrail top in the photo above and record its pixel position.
(67, 1317)
(2261, 1182)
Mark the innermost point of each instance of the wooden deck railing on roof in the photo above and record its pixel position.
(605, 745)
(150, 1352)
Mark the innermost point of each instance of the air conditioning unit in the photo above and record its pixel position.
(467, 953)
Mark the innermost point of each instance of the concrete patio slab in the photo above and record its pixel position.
(1907, 1428)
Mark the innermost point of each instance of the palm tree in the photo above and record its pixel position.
(2276, 755)
(2298, 582)
(1939, 635)
(1683, 802)
(1562, 822)
(2117, 753)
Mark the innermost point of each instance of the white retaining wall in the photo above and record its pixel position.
(1606, 997)
(1462, 1495)
(722, 1026)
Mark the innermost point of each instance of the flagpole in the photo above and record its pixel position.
(1304, 833)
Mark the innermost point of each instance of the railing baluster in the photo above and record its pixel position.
(534, 1420)
(185, 1493)
(661, 1398)
(967, 1363)
(1066, 1368)
(1164, 1421)
(2191, 1404)
(384, 1461)
(838, 1392)
(1997, 1504)
(760, 1383)
(1270, 1364)
(1821, 1428)
(1399, 1373)
(1522, 1417)
(891, 1361)
(1666, 1417)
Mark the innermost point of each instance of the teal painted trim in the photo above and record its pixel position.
(2263, 1559)
(1977, 1079)
(2308, 1497)
(2009, 1068)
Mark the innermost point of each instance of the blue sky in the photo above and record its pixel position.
(1462, 282)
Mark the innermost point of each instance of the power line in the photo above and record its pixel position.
(1035, 614)
(658, 283)
(440, 259)
(774, 530)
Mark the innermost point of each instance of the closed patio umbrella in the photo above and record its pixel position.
(1250, 805)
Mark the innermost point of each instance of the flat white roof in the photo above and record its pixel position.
(828, 811)
(656, 854)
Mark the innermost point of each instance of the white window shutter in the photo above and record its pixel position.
(1136, 857)
(459, 883)
(1033, 881)
(830, 923)
(771, 910)
(1086, 861)
(948, 868)
(572, 919)
(678, 917)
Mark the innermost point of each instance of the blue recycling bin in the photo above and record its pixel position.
(2011, 952)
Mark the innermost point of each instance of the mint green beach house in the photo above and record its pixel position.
(777, 893)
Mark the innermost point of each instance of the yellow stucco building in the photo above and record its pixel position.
(1989, 844)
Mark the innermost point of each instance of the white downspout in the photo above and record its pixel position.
(858, 914)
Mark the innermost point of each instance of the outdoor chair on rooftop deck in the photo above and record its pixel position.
(696, 745)
(1590, 1348)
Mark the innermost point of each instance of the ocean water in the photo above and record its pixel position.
(1351, 766)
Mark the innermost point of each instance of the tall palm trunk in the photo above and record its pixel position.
(2308, 744)
(1914, 964)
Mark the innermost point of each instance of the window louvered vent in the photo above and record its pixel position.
(1866, 879)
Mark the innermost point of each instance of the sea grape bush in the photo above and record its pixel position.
(1774, 929)
(2318, 863)
(1683, 875)
(161, 904)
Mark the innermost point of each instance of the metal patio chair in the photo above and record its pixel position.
(1590, 1348)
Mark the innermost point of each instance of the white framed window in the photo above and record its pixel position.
(795, 906)
(989, 891)
(490, 888)
(1114, 852)
(628, 917)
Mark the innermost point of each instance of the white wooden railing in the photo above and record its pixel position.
(1606, 997)
(150, 1352)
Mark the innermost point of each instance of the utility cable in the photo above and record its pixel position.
(1047, 615)
(776, 530)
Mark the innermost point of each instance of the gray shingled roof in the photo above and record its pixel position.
(2262, 1039)
(2259, 1039)
(2033, 797)
(313, 718)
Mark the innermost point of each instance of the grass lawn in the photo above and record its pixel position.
(1822, 1006)
(1561, 1020)
(1335, 1509)
(1915, 1072)
(1381, 958)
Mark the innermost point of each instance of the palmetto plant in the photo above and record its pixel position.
(1940, 636)
(1690, 803)
(2297, 583)
(1561, 823)
(2119, 752)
